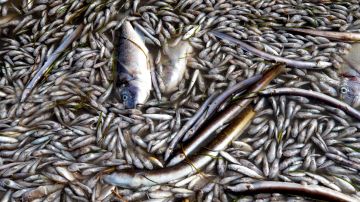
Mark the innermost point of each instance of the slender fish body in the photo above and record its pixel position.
(141, 178)
(208, 108)
(275, 58)
(347, 36)
(313, 191)
(133, 77)
(316, 95)
(207, 133)
(67, 41)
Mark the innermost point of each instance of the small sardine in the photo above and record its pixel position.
(133, 77)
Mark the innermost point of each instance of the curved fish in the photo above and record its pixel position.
(175, 65)
(142, 178)
(133, 77)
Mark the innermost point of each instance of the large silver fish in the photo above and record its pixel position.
(350, 92)
(350, 84)
(133, 68)
(175, 65)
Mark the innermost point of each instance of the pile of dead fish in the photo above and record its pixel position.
(190, 100)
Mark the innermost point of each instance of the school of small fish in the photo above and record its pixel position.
(129, 100)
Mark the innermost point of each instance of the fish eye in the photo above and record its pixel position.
(124, 97)
(343, 90)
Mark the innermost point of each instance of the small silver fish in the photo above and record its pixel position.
(133, 77)
(175, 65)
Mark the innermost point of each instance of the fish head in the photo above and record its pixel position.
(349, 88)
(128, 96)
(349, 91)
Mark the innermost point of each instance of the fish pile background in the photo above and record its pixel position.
(72, 129)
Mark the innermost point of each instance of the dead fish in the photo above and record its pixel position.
(142, 178)
(133, 77)
(50, 60)
(175, 65)
(350, 71)
(271, 57)
(347, 36)
(350, 92)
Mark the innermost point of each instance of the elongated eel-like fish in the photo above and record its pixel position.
(310, 190)
(347, 36)
(268, 56)
(67, 41)
(315, 95)
(136, 179)
(133, 77)
(207, 132)
(207, 109)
